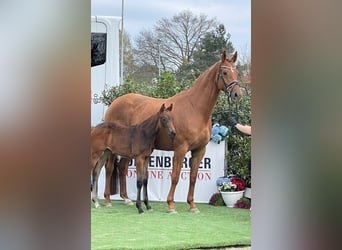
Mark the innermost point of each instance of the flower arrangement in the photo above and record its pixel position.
(219, 133)
(230, 184)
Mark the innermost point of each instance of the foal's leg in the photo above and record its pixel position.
(123, 170)
(145, 182)
(196, 157)
(178, 159)
(139, 165)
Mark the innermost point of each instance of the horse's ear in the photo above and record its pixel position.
(169, 108)
(234, 57)
(162, 108)
(223, 56)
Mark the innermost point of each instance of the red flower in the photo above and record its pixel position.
(239, 183)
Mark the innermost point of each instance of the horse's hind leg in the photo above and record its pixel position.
(109, 171)
(123, 170)
(96, 174)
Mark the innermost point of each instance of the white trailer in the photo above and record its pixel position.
(105, 61)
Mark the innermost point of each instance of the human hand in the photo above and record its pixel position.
(232, 121)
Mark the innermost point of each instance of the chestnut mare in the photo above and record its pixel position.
(192, 119)
(129, 142)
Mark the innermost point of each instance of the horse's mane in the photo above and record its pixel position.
(149, 122)
(111, 125)
(199, 79)
(145, 125)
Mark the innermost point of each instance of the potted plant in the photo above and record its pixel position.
(231, 189)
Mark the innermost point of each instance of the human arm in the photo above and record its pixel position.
(246, 129)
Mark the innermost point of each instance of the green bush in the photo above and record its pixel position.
(144, 88)
(166, 86)
(238, 157)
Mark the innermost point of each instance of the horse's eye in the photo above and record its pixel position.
(224, 73)
(163, 120)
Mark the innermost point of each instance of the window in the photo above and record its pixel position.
(98, 48)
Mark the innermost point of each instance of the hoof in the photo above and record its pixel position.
(108, 205)
(150, 209)
(171, 211)
(128, 202)
(97, 205)
(194, 210)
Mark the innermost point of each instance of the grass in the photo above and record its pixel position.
(121, 227)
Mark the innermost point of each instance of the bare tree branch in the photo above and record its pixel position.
(177, 37)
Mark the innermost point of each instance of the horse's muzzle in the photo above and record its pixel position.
(236, 94)
(172, 134)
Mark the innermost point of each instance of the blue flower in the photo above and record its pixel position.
(221, 180)
(215, 130)
(226, 179)
(217, 138)
(219, 133)
(223, 130)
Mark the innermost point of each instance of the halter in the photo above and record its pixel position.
(228, 87)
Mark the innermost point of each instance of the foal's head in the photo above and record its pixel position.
(166, 120)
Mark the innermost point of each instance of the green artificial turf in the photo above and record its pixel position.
(121, 227)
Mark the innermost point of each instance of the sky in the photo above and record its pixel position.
(140, 15)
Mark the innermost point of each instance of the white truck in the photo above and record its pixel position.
(105, 61)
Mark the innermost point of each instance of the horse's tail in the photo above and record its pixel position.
(114, 180)
(91, 180)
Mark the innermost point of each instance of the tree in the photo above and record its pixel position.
(128, 63)
(172, 42)
(147, 53)
(244, 65)
(210, 48)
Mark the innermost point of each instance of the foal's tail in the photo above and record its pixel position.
(95, 171)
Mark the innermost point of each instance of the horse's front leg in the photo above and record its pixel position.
(145, 182)
(139, 166)
(123, 170)
(196, 157)
(178, 159)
